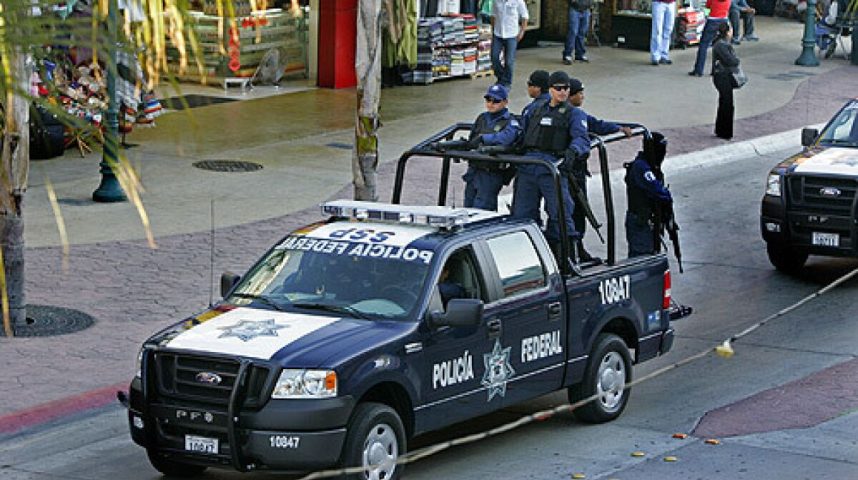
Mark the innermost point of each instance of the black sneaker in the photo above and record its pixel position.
(666, 61)
(654, 62)
(695, 74)
(582, 58)
(567, 60)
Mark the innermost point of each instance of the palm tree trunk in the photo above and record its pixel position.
(368, 70)
(15, 166)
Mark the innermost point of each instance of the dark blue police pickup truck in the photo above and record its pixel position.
(386, 321)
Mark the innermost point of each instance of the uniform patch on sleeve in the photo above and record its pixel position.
(649, 176)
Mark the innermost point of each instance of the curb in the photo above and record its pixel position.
(790, 139)
(41, 414)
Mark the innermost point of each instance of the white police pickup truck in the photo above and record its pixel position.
(809, 206)
(385, 321)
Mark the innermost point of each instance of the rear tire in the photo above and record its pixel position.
(172, 468)
(375, 440)
(785, 258)
(608, 371)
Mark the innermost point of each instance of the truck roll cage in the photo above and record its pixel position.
(424, 149)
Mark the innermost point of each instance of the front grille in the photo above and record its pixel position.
(177, 377)
(806, 194)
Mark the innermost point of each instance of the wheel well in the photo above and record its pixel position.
(625, 329)
(394, 396)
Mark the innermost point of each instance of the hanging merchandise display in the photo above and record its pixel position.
(69, 88)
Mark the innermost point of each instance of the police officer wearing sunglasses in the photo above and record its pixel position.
(494, 127)
(548, 131)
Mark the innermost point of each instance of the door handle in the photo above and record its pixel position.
(554, 310)
(494, 327)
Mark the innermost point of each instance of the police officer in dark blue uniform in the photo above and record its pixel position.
(548, 132)
(645, 191)
(537, 89)
(494, 127)
(582, 125)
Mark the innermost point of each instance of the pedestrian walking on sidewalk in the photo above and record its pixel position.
(663, 16)
(724, 62)
(509, 18)
(576, 31)
(718, 11)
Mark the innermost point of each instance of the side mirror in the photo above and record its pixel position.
(227, 281)
(808, 135)
(461, 312)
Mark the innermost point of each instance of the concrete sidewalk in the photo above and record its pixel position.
(133, 290)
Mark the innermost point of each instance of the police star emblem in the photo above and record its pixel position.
(498, 370)
(247, 330)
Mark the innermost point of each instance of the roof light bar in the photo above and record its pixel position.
(440, 217)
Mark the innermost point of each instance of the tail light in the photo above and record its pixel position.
(665, 303)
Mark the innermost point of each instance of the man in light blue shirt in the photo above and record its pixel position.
(509, 18)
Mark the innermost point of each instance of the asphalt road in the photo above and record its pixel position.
(731, 285)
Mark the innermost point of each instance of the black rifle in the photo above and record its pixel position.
(665, 220)
(452, 145)
(579, 196)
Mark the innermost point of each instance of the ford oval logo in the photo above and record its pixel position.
(208, 378)
(829, 192)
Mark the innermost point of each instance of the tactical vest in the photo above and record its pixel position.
(639, 203)
(548, 129)
(481, 127)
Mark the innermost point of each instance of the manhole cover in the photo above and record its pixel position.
(230, 166)
(46, 320)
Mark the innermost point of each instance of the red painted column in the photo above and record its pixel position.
(337, 41)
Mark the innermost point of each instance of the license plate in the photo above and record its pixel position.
(197, 444)
(826, 239)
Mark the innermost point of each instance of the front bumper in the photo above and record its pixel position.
(283, 435)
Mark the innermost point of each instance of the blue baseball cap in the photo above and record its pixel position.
(497, 92)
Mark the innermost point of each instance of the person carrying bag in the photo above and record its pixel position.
(726, 75)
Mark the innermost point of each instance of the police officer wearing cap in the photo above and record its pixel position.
(537, 89)
(548, 131)
(578, 152)
(645, 192)
(494, 127)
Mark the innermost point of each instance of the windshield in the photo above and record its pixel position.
(345, 279)
(843, 131)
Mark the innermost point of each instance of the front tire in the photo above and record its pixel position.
(375, 441)
(172, 468)
(608, 371)
(785, 258)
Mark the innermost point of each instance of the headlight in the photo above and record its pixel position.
(295, 383)
(773, 185)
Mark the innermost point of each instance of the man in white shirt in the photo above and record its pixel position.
(509, 17)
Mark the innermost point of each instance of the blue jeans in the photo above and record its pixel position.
(663, 15)
(503, 71)
(576, 34)
(709, 31)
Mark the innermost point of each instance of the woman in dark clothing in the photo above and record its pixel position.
(724, 61)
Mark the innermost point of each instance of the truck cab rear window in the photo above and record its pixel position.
(517, 262)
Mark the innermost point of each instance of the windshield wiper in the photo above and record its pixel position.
(261, 298)
(839, 141)
(334, 308)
